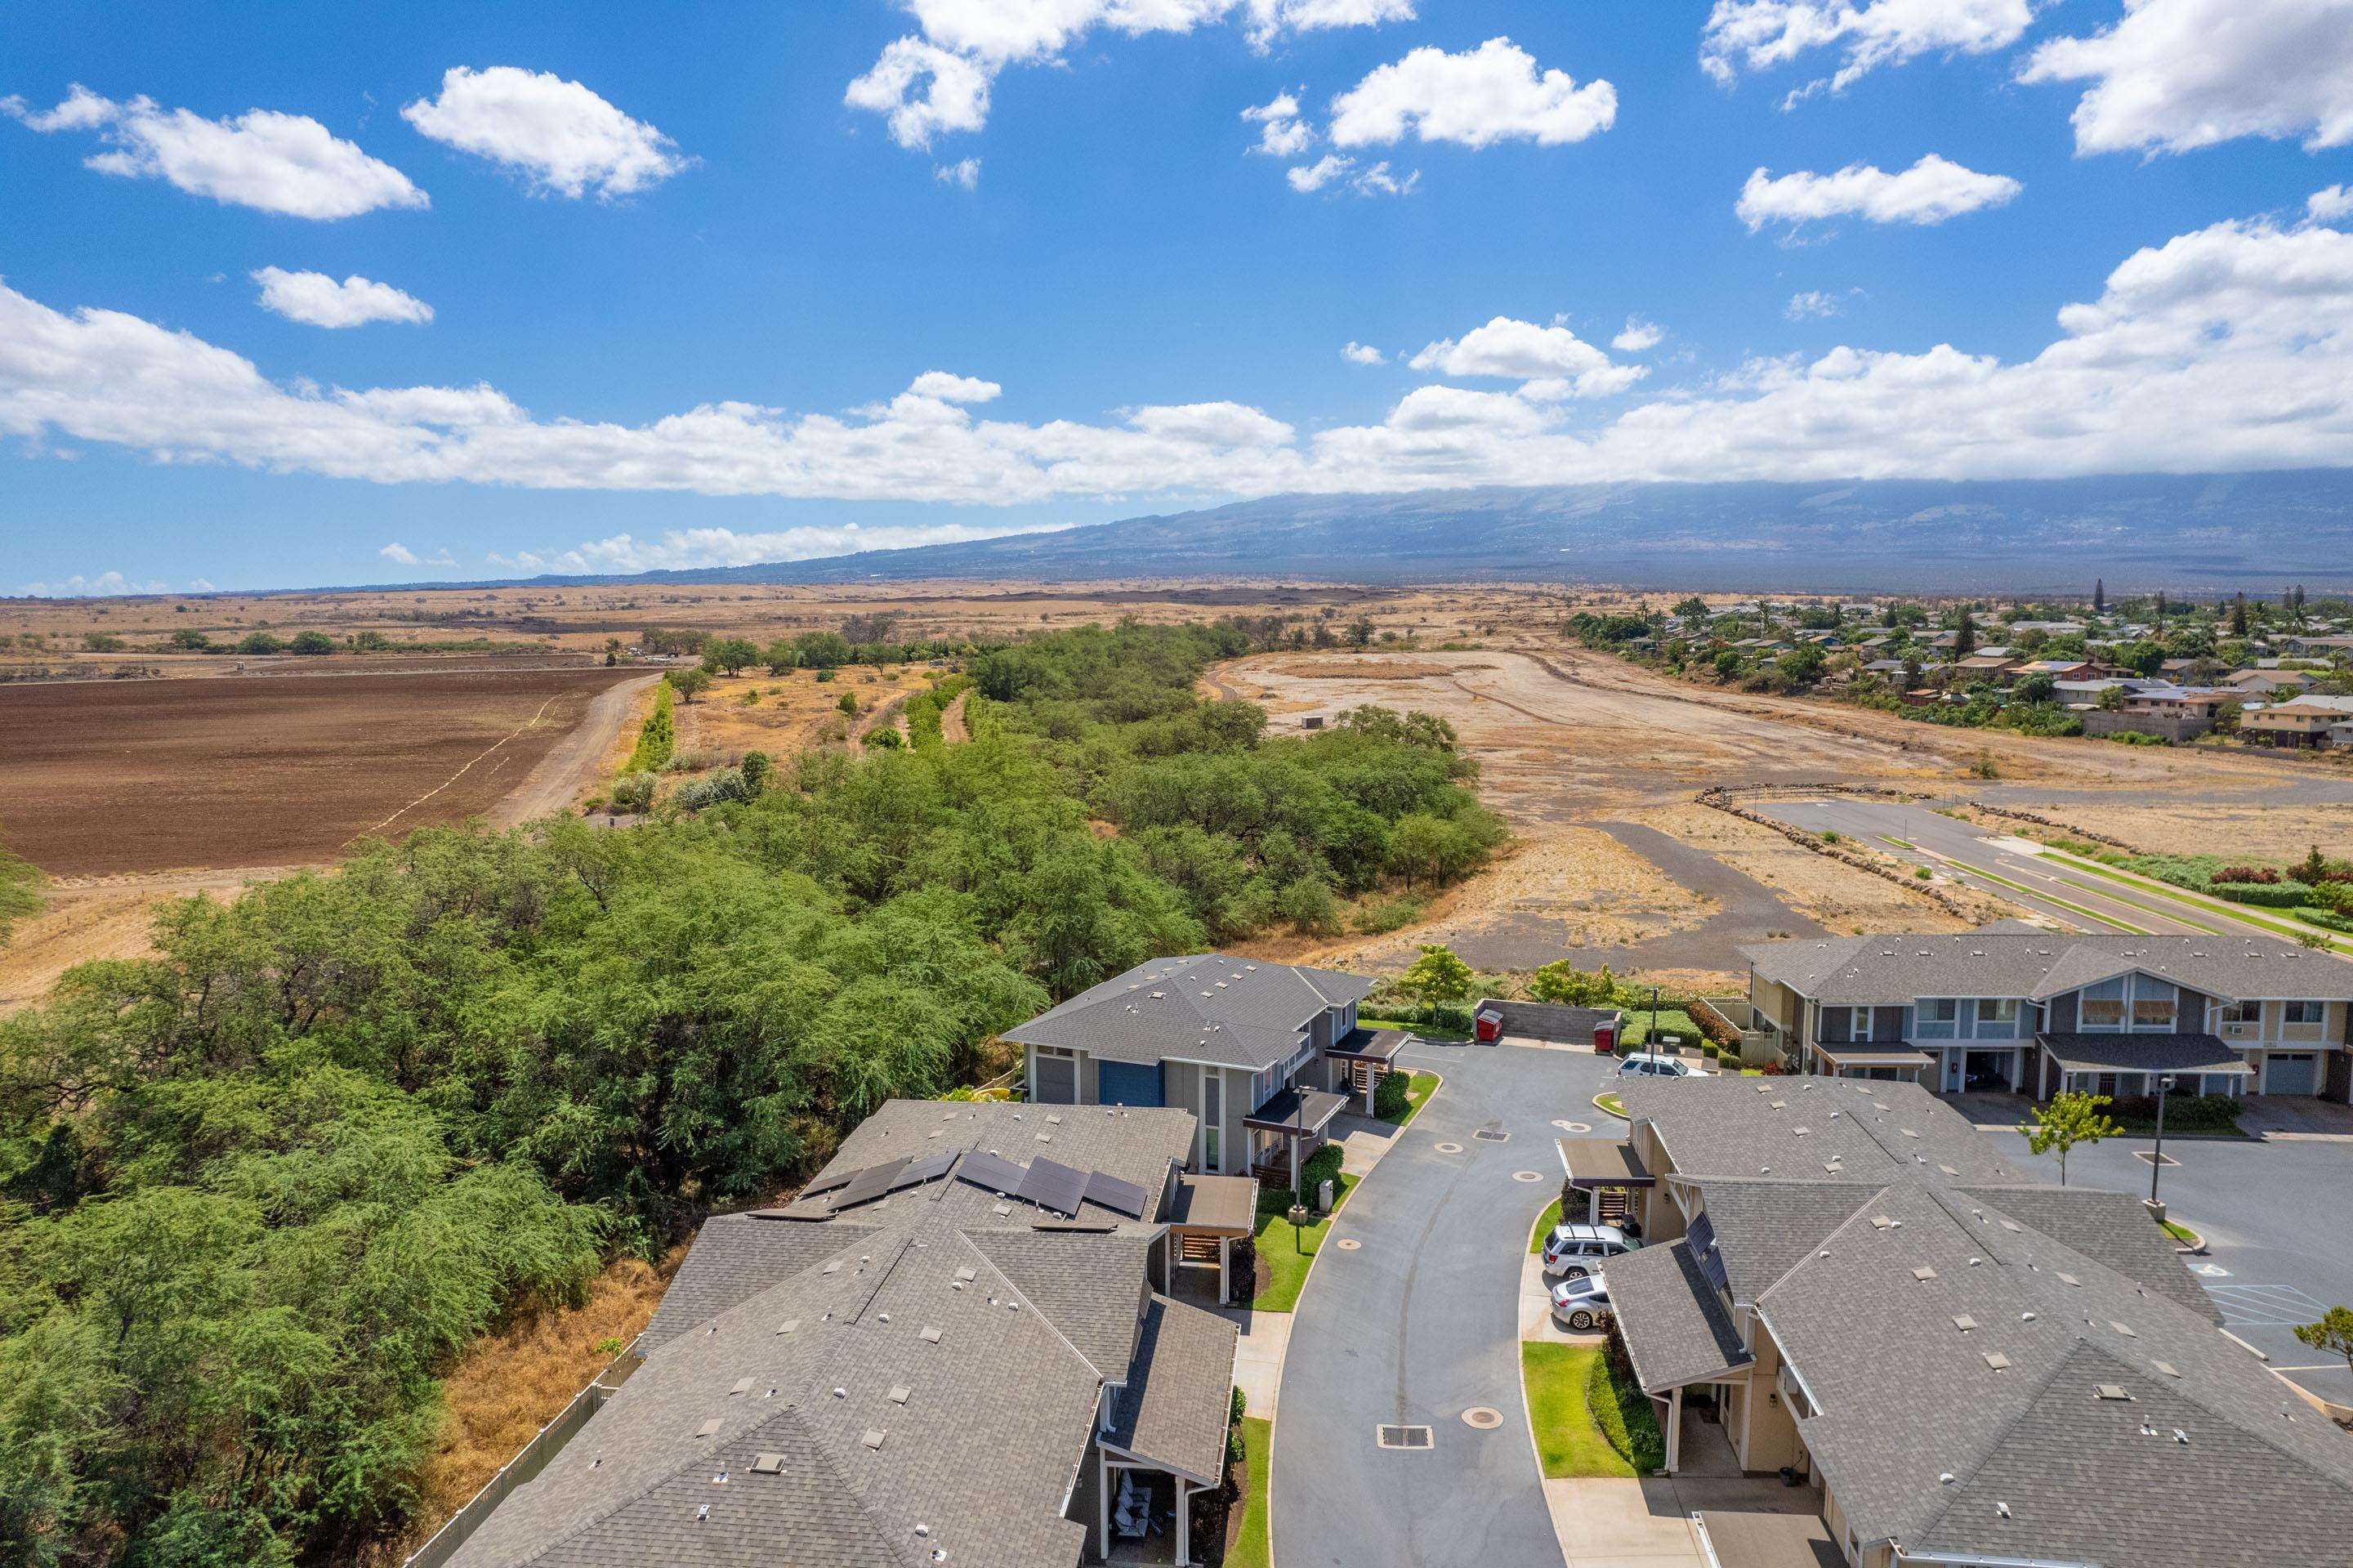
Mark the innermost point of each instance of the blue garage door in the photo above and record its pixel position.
(1126, 1084)
(2294, 1073)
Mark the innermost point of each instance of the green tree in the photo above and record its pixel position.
(847, 703)
(2068, 1119)
(1692, 608)
(259, 643)
(824, 650)
(730, 655)
(2333, 1334)
(757, 767)
(1965, 637)
(1436, 978)
(311, 643)
(657, 737)
(2312, 869)
(689, 683)
(781, 658)
(190, 640)
(1562, 981)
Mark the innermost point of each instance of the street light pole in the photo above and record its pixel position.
(2157, 1155)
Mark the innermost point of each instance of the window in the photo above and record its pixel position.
(1997, 1018)
(2104, 1013)
(1213, 1082)
(2242, 1013)
(2300, 1013)
(1941, 1010)
(1859, 1026)
(2152, 1013)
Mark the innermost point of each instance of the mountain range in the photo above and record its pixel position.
(2201, 531)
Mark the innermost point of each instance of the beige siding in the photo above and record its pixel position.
(1182, 1082)
(1239, 1088)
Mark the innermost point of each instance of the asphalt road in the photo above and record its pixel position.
(2080, 900)
(2274, 1216)
(1421, 1323)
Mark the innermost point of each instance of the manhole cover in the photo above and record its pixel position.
(1573, 1126)
(1528, 1175)
(1450, 1148)
(1404, 1436)
(1349, 1244)
(1487, 1135)
(1484, 1417)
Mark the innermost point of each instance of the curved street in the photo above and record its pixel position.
(1420, 1323)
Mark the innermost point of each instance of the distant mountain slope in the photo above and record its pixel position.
(2208, 532)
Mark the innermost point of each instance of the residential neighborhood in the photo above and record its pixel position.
(1864, 1328)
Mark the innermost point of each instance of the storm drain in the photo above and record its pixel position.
(1488, 1134)
(1404, 1436)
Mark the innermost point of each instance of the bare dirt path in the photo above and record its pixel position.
(952, 726)
(575, 767)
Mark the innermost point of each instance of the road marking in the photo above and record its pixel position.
(2142, 1155)
(2290, 1306)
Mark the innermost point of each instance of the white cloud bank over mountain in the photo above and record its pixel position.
(2227, 348)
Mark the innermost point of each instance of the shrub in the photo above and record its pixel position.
(849, 703)
(1389, 1096)
(2262, 874)
(657, 738)
(1320, 1167)
(721, 788)
(1379, 920)
(886, 737)
(260, 642)
(633, 792)
(1242, 1270)
(2183, 1113)
(1623, 1411)
(2328, 918)
(757, 766)
(311, 643)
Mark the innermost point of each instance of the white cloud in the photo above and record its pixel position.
(1637, 335)
(1554, 361)
(1812, 305)
(1759, 35)
(402, 555)
(2328, 205)
(1930, 191)
(1281, 133)
(936, 81)
(952, 389)
(277, 163)
(2228, 349)
(1363, 354)
(1481, 96)
(1370, 179)
(103, 585)
(564, 137)
(201, 584)
(318, 299)
(2178, 74)
(964, 174)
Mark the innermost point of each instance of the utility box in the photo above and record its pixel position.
(1324, 1197)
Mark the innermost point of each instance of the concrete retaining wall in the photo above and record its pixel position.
(1549, 1020)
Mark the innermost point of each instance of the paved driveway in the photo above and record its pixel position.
(1420, 1324)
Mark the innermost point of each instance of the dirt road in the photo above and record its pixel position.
(575, 766)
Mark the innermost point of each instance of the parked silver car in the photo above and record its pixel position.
(1583, 1304)
(1576, 1250)
(1648, 1065)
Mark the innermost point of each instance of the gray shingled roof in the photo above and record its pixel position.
(2144, 1053)
(1673, 1322)
(2003, 961)
(1209, 1007)
(1872, 1129)
(1177, 1401)
(1763, 1227)
(935, 1365)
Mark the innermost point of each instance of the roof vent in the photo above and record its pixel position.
(768, 1464)
(788, 1325)
(1964, 1323)
(901, 1394)
(709, 1429)
(2002, 1509)
(873, 1438)
(1944, 1478)
(2124, 1328)
(1924, 1274)
(839, 1393)
(703, 1513)
(1997, 1360)
(2067, 1278)
(2111, 1391)
(2168, 1368)
(2181, 1437)
(930, 1336)
(742, 1386)
(1882, 1223)
(720, 1479)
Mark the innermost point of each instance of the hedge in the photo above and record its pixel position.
(2183, 1113)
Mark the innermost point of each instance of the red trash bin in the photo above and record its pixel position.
(1487, 1025)
(1605, 1038)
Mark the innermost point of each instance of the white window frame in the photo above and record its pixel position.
(2290, 1011)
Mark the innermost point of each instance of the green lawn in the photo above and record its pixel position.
(1251, 1548)
(1419, 1087)
(1611, 1104)
(1544, 1223)
(1287, 1258)
(1428, 1031)
(1586, 1422)
(1671, 1020)
(2182, 1234)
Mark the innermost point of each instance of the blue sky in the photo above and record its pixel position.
(696, 298)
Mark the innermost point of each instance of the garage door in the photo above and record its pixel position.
(2294, 1073)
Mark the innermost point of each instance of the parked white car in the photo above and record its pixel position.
(1582, 1304)
(1576, 1250)
(1646, 1064)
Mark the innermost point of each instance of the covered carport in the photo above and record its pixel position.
(1297, 1117)
(1874, 1061)
(2127, 1065)
(1365, 1057)
(1211, 1213)
(1608, 1170)
(1675, 1330)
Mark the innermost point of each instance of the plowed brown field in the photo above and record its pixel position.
(98, 779)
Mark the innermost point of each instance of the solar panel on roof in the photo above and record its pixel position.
(991, 1173)
(869, 1183)
(1110, 1193)
(827, 1183)
(1052, 1185)
(929, 1167)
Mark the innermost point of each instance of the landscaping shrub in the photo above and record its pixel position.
(1241, 1270)
(657, 738)
(1390, 1100)
(633, 792)
(2327, 917)
(1320, 1167)
(1234, 1426)
(1623, 1411)
(2183, 1113)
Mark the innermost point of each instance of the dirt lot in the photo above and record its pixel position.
(152, 776)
